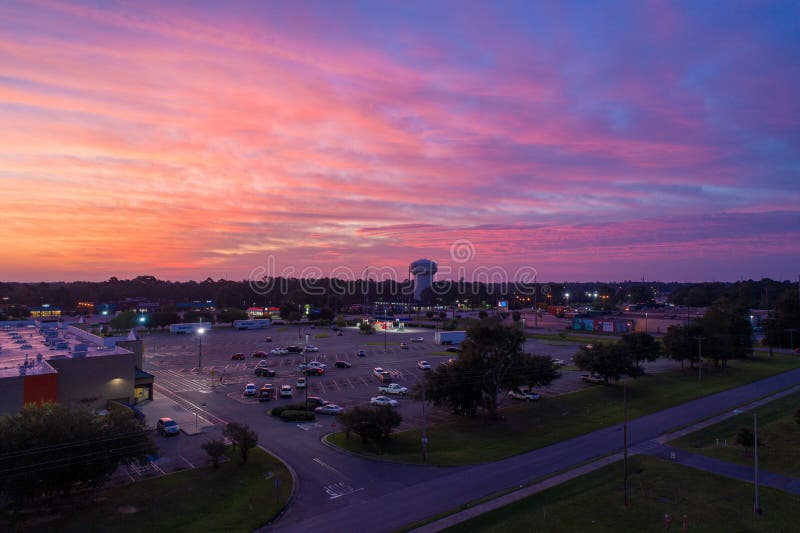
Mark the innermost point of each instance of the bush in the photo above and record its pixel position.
(797, 416)
(277, 411)
(370, 422)
(746, 437)
(291, 415)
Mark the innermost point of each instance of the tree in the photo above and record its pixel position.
(366, 328)
(727, 331)
(48, 449)
(610, 361)
(680, 343)
(491, 361)
(483, 314)
(370, 422)
(215, 449)
(287, 308)
(442, 315)
(230, 314)
(124, 320)
(516, 316)
(797, 416)
(160, 319)
(429, 314)
(340, 321)
(785, 316)
(640, 346)
(198, 316)
(242, 436)
(745, 437)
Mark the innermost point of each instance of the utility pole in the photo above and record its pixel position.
(625, 436)
(756, 506)
(699, 357)
(791, 332)
(424, 426)
(535, 307)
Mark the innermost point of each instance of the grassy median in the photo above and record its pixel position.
(526, 427)
(778, 431)
(234, 497)
(594, 502)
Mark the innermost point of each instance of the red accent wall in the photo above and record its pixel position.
(41, 388)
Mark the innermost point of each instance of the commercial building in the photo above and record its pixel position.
(45, 311)
(50, 362)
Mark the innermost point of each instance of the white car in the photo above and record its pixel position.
(558, 362)
(424, 365)
(301, 383)
(278, 351)
(383, 400)
(377, 371)
(330, 409)
(312, 349)
(393, 388)
(250, 389)
(262, 364)
(404, 346)
(286, 391)
(524, 395)
(418, 339)
(317, 364)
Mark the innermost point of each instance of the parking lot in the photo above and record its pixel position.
(175, 360)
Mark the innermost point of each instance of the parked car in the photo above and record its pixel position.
(418, 339)
(294, 349)
(377, 371)
(558, 363)
(262, 364)
(167, 427)
(383, 400)
(259, 354)
(286, 391)
(278, 351)
(330, 409)
(264, 372)
(424, 365)
(592, 378)
(314, 371)
(312, 349)
(316, 401)
(268, 339)
(301, 383)
(317, 364)
(343, 364)
(524, 395)
(339, 334)
(393, 388)
(237, 357)
(362, 353)
(250, 389)
(449, 362)
(265, 393)
(404, 346)
(451, 349)
(385, 377)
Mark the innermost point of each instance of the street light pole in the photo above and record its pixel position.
(625, 436)
(699, 357)
(791, 332)
(200, 347)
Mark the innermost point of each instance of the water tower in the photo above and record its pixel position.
(423, 271)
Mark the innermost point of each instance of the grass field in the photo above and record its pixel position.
(594, 502)
(526, 427)
(778, 432)
(234, 497)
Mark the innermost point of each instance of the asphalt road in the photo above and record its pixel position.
(450, 488)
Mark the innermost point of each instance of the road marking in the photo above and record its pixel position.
(325, 465)
(343, 490)
(187, 462)
(304, 427)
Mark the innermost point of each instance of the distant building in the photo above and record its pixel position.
(262, 312)
(85, 308)
(45, 311)
(197, 306)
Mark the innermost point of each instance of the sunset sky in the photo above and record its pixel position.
(194, 139)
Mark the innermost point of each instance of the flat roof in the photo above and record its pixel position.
(25, 343)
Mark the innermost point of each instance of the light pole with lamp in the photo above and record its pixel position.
(200, 332)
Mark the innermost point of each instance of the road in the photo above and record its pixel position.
(449, 488)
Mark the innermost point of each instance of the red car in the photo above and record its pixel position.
(237, 357)
(261, 355)
(314, 371)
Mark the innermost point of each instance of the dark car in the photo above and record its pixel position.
(167, 427)
(294, 349)
(263, 371)
(237, 357)
(269, 339)
(266, 393)
(451, 349)
(343, 364)
(316, 401)
(314, 371)
(362, 353)
(338, 333)
(260, 355)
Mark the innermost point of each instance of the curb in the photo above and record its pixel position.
(295, 485)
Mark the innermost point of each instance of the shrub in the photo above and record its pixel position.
(797, 416)
(291, 415)
(746, 437)
(276, 411)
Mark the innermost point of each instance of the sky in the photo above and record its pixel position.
(572, 141)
